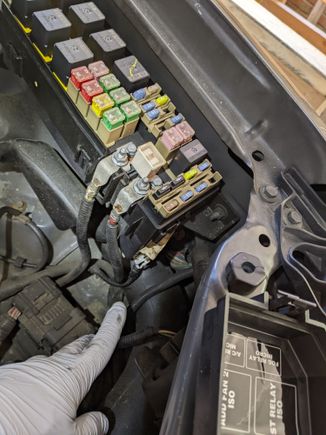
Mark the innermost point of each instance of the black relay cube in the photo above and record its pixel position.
(188, 155)
(23, 9)
(86, 18)
(48, 27)
(70, 54)
(107, 46)
(131, 73)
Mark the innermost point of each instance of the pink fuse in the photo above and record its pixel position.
(170, 140)
(98, 69)
(185, 129)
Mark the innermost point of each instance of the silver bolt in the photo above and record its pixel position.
(142, 186)
(120, 157)
(269, 191)
(157, 182)
(294, 217)
(132, 149)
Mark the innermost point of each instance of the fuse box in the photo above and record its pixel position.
(106, 94)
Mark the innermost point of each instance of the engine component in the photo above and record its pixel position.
(48, 318)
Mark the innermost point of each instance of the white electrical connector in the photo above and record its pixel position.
(148, 160)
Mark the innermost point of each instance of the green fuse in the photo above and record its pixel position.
(113, 118)
(111, 126)
(109, 82)
(132, 112)
(120, 96)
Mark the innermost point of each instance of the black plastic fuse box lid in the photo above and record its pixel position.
(259, 372)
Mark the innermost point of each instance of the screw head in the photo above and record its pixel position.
(269, 192)
(294, 217)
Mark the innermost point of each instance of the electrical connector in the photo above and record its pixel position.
(148, 161)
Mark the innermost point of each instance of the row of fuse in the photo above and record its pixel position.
(106, 106)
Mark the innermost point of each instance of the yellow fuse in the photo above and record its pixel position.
(162, 100)
(190, 174)
(101, 103)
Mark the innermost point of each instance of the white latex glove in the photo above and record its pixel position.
(41, 396)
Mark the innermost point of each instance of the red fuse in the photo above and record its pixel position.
(98, 69)
(90, 89)
(80, 75)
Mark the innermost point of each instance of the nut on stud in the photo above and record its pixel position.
(245, 272)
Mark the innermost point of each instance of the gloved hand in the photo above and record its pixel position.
(41, 396)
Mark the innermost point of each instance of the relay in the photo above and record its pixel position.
(131, 73)
(25, 8)
(68, 55)
(86, 18)
(107, 45)
(49, 26)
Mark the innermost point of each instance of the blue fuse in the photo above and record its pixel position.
(187, 195)
(201, 187)
(153, 114)
(177, 119)
(204, 165)
(140, 94)
(148, 106)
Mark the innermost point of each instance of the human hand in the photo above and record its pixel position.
(41, 395)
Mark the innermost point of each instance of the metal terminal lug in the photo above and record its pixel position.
(131, 194)
(104, 171)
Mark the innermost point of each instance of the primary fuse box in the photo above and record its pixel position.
(101, 94)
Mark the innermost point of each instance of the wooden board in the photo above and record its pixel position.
(297, 22)
(301, 75)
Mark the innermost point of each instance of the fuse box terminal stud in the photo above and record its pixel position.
(120, 157)
(156, 182)
(131, 149)
(142, 186)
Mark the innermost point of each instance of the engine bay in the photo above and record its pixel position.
(132, 171)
